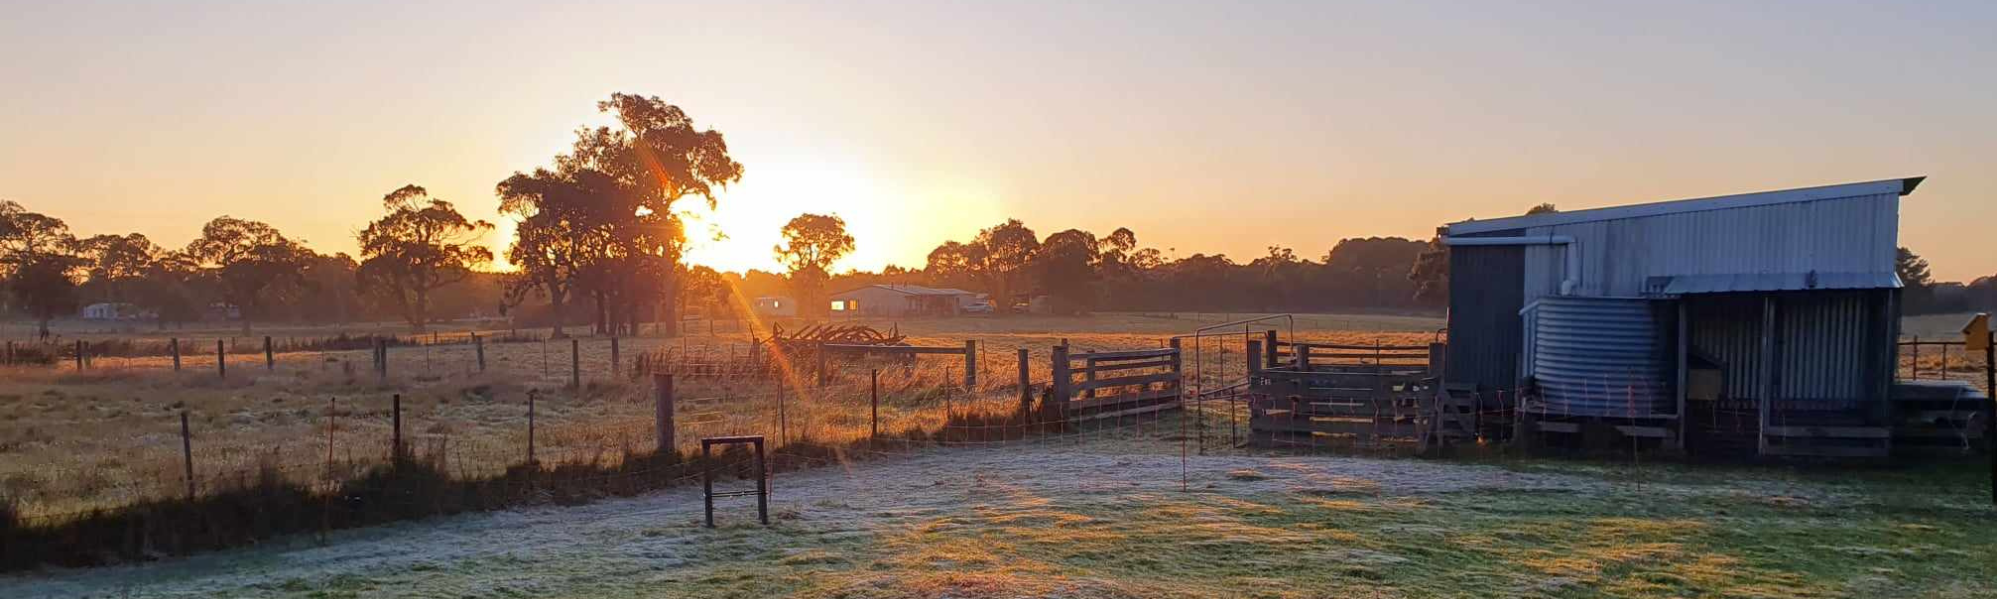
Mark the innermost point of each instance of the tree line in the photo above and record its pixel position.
(598, 230)
(601, 236)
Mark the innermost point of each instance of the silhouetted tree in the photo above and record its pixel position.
(38, 262)
(812, 242)
(115, 264)
(605, 218)
(999, 255)
(421, 244)
(1917, 285)
(255, 265)
(1066, 266)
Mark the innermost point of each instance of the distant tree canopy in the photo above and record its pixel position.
(812, 243)
(421, 245)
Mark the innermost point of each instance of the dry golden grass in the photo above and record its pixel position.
(73, 441)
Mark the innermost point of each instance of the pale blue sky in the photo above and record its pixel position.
(1204, 126)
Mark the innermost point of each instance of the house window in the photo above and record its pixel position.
(845, 305)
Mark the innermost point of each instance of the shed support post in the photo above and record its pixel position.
(1768, 370)
(1684, 347)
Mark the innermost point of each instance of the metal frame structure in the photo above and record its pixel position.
(762, 492)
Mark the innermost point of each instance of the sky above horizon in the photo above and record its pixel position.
(1204, 127)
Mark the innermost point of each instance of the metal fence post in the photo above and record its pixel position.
(221, 361)
(173, 345)
(874, 416)
(530, 425)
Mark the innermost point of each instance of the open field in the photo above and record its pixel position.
(1106, 517)
(73, 441)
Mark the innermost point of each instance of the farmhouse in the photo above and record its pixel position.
(1760, 323)
(901, 300)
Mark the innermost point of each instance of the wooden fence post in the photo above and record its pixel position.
(614, 358)
(269, 358)
(1180, 384)
(970, 364)
(1061, 375)
(187, 452)
(575, 364)
(221, 361)
(79, 354)
(821, 364)
(173, 345)
(1302, 354)
(381, 359)
(1437, 357)
(662, 411)
(478, 345)
(1254, 357)
(875, 414)
(1025, 381)
(530, 425)
(395, 418)
(1269, 349)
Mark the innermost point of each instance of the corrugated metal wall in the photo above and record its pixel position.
(1821, 348)
(1485, 296)
(1617, 257)
(1600, 356)
(1832, 348)
(1727, 329)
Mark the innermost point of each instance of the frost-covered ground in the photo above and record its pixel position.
(1061, 520)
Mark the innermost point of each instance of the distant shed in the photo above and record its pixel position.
(898, 300)
(1789, 297)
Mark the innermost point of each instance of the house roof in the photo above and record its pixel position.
(909, 290)
(1902, 186)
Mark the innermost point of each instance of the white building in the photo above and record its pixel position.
(110, 311)
(902, 300)
(775, 305)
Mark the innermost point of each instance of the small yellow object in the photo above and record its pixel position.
(1976, 334)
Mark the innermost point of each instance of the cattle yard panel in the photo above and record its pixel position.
(1114, 384)
(1316, 393)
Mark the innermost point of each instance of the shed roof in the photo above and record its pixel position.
(1779, 281)
(1901, 186)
